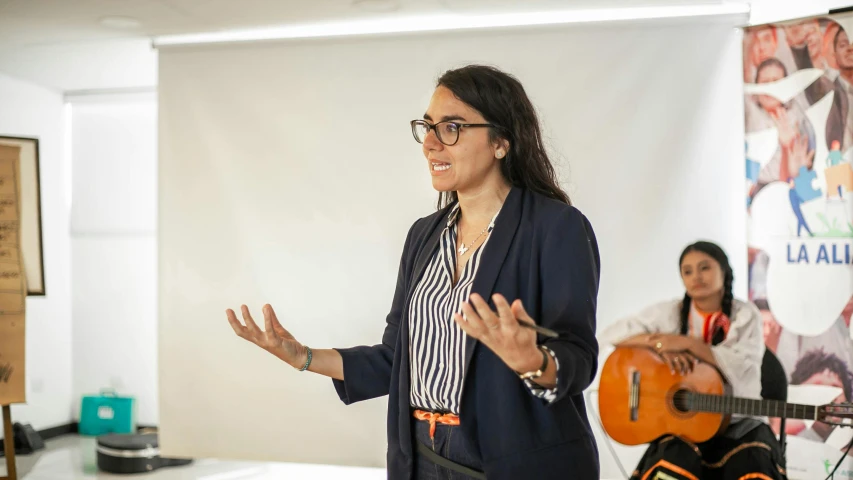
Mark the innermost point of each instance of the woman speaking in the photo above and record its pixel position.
(490, 340)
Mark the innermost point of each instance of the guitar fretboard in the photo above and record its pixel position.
(743, 406)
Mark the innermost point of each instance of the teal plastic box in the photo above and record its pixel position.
(106, 413)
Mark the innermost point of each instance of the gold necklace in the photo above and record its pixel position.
(462, 249)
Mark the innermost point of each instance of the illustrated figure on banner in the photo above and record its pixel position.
(798, 98)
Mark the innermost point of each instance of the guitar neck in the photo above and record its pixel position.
(748, 406)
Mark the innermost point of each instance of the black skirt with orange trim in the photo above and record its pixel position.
(747, 450)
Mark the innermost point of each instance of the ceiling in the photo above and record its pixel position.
(65, 45)
(25, 23)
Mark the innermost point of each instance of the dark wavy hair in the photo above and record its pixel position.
(714, 251)
(816, 361)
(502, 101)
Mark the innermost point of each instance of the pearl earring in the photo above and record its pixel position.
(500, 155)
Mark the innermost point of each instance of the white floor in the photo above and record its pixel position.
(72, 457)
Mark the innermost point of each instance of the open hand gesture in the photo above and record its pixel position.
(274, 338)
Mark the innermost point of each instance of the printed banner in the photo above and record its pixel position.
(13, 285)
(798, 101)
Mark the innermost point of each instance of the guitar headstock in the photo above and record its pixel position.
(838, 414)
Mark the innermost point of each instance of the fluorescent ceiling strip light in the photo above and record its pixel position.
(432, 23)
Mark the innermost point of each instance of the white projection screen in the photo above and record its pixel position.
(288, 175)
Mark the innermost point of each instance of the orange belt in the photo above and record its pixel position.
(433, 418)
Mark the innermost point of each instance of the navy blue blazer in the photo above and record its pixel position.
(545, 253)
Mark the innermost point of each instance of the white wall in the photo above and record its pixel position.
(255, 207)
(113, 248)
(109, 64)
(106, 249)
(33, 111)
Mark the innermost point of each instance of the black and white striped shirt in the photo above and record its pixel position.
(436, 343)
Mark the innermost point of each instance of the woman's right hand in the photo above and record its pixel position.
(274, 338)
(679, 362)
(674, 350)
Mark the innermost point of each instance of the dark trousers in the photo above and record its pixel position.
(449, 443)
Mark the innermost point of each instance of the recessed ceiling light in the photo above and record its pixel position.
(377, 5)
(123, 23)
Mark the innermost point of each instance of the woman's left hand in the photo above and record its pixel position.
(677, 350)
(663, 342)
(500, 331)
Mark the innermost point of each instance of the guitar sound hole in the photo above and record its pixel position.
(681, 401)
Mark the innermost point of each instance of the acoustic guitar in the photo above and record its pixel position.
(640, 400)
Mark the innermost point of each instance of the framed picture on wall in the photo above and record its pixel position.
(31, 226)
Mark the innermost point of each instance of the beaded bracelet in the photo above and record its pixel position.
(308, 361)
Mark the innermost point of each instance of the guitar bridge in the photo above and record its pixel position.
(634, 397)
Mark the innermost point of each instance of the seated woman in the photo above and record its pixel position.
(709, 325)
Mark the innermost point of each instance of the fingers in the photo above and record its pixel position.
(250, 324)
(669, 359)
(474, 325)
(251, 331)
(677, 364)
(506, 317)
(276, 325)
(270, 331)
(485, 313)
(693, 361)
(520, 313)
(687, 363)
(238, 327)
(478, 320)
(466, 326)
(681, 363)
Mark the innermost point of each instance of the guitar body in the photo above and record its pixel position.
(637, 399)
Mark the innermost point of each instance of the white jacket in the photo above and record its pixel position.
(739, 356)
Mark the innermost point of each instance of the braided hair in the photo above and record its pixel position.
(714, 251)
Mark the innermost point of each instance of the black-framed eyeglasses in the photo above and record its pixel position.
(446, 132)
